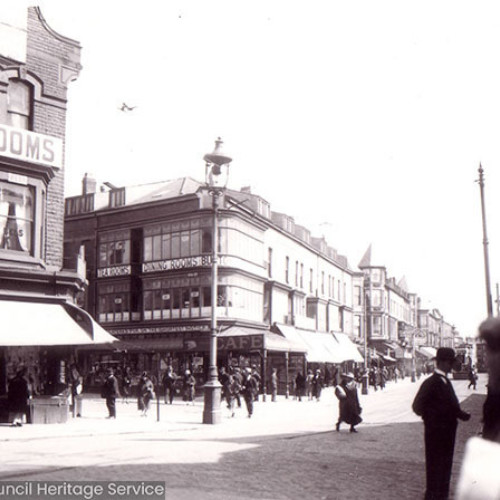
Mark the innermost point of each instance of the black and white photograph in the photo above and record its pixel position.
(249, 250)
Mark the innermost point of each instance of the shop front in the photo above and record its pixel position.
(331, 353)
(186, 347)
(42, 337)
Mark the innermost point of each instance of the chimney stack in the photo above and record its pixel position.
(89, 184)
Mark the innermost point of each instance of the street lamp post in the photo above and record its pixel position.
(364, 379)
(216, 181)
(413, 363)
(489, 302)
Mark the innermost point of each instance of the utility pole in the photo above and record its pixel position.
(498, 300)
(489, 303)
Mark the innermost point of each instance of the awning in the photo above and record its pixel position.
(388, 358)
(293, 337)
(271, 341)
(275, 342)
(348, 348)
(427, 352)
(319, 347)
(30, 323)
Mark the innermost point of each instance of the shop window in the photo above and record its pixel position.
(206, 241)
(16, 217)
(114, 303)
(186, 302)
(206, 297)
(222, 296)
(195, 302)
(176, 303)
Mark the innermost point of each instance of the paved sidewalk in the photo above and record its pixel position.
(285, 415)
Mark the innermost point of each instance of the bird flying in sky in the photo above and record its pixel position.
(125, 107)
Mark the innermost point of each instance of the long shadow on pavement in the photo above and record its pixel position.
(380, 462)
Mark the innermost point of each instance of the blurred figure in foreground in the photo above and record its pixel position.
(479, 479)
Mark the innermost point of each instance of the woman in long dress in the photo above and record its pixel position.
(349, 408)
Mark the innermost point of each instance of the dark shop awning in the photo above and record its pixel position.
(56, 323)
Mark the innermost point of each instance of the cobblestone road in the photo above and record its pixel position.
(287, 451)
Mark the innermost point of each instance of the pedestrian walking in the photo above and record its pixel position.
(238, 379)
(309, 384)
(110, 392)
(472, 376)
(317, 385)
(274, 385)
(489, 332)
(145, 394)
(257, 378)
(188, 387)
(126, 384)
(383, 378)
(168, 383)
(249, 388)
(372, 378)
(437, 404)
(231, 390)
(349, 407)
(76, 388)
(300, 385)
(18, 396)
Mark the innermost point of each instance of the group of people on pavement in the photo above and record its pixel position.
(146, 389)
(237, 383)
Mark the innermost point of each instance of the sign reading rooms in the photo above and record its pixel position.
(29, 146)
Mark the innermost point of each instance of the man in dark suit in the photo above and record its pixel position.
(437, 404)
(110, 392)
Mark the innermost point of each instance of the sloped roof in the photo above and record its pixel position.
(155, 191)
(368, 260)
(402, 284)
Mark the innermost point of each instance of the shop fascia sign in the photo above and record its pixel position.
(30, 147)
(240, 343)
(183, 263)
(110, 272)
(162, 329)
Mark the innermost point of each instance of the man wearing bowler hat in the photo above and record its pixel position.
(437, 404)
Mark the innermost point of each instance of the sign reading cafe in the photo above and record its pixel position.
(29, 146)
(172, 264)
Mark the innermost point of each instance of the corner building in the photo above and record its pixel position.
(40, 321)
(284, 298)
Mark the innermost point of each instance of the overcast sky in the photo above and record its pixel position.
(365, 120)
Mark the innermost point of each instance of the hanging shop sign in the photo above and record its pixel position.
(29, 146)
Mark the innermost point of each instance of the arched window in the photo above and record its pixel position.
(19, 98)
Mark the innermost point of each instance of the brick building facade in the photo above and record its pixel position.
(37, 296)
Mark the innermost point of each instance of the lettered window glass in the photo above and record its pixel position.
(16, 217)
